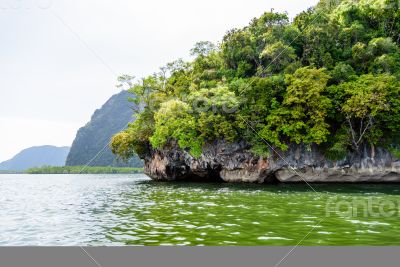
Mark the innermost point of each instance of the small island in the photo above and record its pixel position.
(313, 99)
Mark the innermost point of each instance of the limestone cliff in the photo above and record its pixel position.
(91, 139)
(235, 163)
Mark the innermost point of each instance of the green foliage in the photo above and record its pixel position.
(204, 117)
(342, 72)
(203, 49)
(395, 152)
(366, 99)
(330, 78)
(338, 146)
(277, 56)
(301, 117)
(216, 100)
(381, 45)
(366, 95)
(174, 121)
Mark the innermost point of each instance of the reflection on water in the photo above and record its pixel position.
(131, 210)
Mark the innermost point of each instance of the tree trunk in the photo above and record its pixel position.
(372, 151)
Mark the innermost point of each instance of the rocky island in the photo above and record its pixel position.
(313, 99)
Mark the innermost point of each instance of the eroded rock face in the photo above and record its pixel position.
(235, 163)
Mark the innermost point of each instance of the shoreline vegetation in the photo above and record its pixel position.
(82, 170)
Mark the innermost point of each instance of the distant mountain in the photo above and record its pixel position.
(92, 139)
(36, 157)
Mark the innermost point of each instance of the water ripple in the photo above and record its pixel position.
(131, 210)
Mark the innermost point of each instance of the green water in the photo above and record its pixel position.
(109, 210)
(248, 215)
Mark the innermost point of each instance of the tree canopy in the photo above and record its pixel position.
(331, 77)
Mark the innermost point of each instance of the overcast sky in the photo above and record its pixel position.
(59, 59)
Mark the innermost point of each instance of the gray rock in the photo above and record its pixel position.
(233, 162)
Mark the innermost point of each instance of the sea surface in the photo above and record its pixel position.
(111, 210)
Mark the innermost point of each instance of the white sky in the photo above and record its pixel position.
(59, 59)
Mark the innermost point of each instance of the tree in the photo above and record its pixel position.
(174, 121)
(277, 56)
(366, 99)
(301, 116)
(239, 52)
(135, 138)
(203, 48)
(125, 81)
(381, 45)
(215, 109)
(361, 56)
(342, 72)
